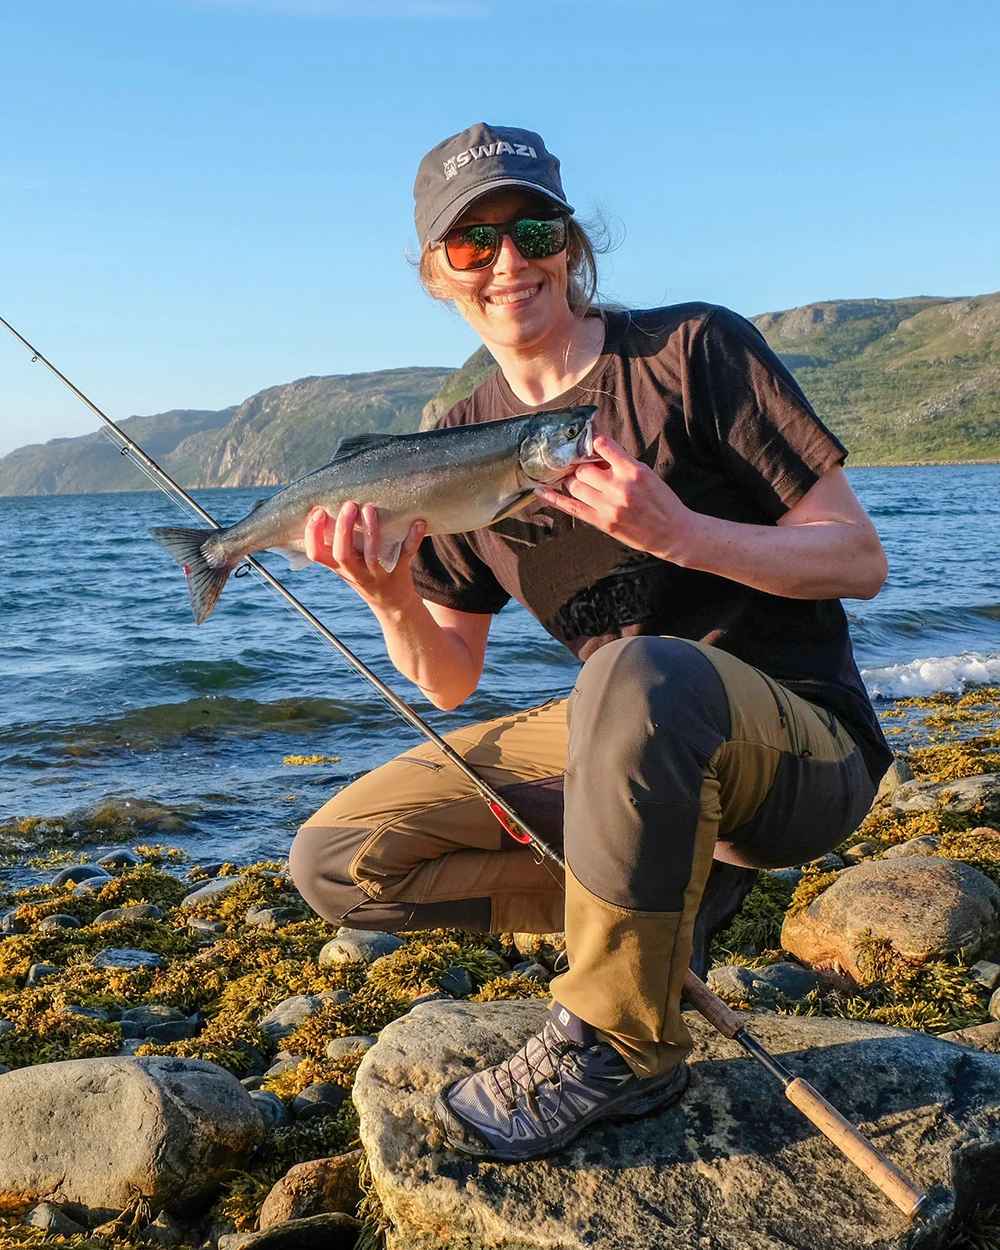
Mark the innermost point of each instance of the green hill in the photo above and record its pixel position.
(898, 380)
(272, 437)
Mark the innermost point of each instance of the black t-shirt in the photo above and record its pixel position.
(695, 393)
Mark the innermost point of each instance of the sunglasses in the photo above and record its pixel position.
(477, 246)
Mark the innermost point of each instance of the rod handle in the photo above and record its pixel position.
(711, 1006)
(880, 1170)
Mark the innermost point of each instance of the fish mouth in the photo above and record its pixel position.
(585, 444)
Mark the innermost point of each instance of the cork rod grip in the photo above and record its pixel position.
(880, 1170)
(715, 1011)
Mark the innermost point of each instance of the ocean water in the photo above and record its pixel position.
(107, 688)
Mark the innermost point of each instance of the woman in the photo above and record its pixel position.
(697, 571)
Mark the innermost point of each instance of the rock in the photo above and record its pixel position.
(927, 845)
(10, 924)
(272, 917)
(735, 984)
(57, 921)
(48, 1216)
(213, 869)
(94, 1131)
(38, 972)
(899, 772)
(119, 859)
(7, 1026)
(533, 970)
(825, 863)
(456, 981)
(283, 1065)
(732, 1167)
(334, 996)
(284, 1019)
(130, 1045)
(791, 981)
(174, 1030)
(93, 1013)
(272, 1110)
(790, 876)
(986, 973)
(541, 946)
(134, 911)
(981, 1036)
(337, 1047)
(124, 814)
(165, 1231)
(91, 885)
(924, 907)
(3, 1069)
(321, 1185)
(964, 796)
(859, 851)
(212, 889)
(432, 996)
(126, 957)
(318, 1232)
(320, 1098)
(995, 1005)
(357, 945)
(151, 1014)
(251, 1082)
(79, 872)
(209, 927)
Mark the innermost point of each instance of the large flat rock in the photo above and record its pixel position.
(732, 1167)
(95, 1131)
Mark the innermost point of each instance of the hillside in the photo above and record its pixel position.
(898, 380)
(274, 436)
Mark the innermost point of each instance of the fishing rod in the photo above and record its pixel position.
(835, 1127)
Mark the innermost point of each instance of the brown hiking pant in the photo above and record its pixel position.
(666, 753)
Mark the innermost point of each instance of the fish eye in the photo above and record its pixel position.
(572, 431)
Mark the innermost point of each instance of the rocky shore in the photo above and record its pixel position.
(190, 1059)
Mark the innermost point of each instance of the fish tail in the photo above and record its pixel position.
(206, 575)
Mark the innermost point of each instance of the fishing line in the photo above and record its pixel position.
(502, 811)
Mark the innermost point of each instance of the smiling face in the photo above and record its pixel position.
(516, 303)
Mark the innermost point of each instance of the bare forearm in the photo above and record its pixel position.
(818, 560)
(434, 658)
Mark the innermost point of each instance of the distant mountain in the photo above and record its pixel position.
(274, 436)
(898, 380)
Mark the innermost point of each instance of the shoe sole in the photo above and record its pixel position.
(636, 1107)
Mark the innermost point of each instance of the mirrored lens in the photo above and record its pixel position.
(536, 239)
(471, 247)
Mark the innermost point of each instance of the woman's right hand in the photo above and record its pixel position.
(330, 540)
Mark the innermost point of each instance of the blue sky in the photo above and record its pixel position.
(201, 198)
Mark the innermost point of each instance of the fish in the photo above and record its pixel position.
(456, 479)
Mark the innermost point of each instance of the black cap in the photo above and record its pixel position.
(467, 165)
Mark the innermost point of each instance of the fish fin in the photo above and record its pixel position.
(517, 504)
(205, 580)
(296, 559)
(352, 444)
(388, 557)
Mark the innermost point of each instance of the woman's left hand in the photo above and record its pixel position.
(625, 499)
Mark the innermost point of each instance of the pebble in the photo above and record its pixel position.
(48, 1216)
(211, 870)
(288, 1015)
(135, 911)
(283, 1064)
(273, 1111)
(337, 1047)
(357, 946)
(9, 923)
(251, 1082)
(151, 1014)
(208, 927)
(987, 974)
(335, 996)
(94, 1013)
(79, 872)
(174, 1030)
(122, 858)
(126, 957)
(456, 981)
(58, 920)
(38, 972)
(210, 890)
(825, 863)
(792, 981)
(272, 917)
(859, 851)
(91, 885)
(318, 1099)
(926, 845)
(533, 970)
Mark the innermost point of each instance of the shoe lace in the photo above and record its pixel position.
(540, 1056)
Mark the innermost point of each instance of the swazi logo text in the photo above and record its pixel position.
(454, 163)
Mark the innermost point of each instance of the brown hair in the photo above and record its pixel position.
(581, 264)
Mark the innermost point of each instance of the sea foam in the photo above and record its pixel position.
(951, 673)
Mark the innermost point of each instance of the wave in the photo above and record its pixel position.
(947, 673)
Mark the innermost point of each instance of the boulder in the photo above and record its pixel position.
(987, 974)
(762, 987)
(96, 1131)
(924, 907)
(320, 1098)
(979, 1036)
(321, 1185)
(357, 946)
(964, 796)
(733, 1166)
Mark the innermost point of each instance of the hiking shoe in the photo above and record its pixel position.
(538, 1100)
